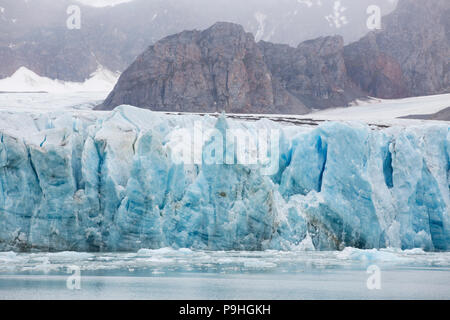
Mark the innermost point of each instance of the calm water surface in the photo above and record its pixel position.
(186, 274)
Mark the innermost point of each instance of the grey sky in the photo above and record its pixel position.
(102, 3)
(285, 21)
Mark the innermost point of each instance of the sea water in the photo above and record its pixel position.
(186, 274)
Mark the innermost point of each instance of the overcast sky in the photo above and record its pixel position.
(102, 3)
(279, 21)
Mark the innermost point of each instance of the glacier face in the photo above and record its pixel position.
(94, 181)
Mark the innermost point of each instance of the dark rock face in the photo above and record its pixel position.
(314, 72)
(409, 57)
(219, 69)
(222, 68)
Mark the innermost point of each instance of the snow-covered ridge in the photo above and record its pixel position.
(25, 80)
(89, 181)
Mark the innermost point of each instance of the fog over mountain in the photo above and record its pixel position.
(34, 33)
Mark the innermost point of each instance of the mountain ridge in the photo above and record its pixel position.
(220, 68)
(33, 34)
(406, 58)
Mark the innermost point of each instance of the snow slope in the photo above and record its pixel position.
(376, 112)
(45, 102)
(89, 181)
(24, 80)
(381, 110)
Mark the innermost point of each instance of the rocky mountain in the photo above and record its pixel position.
(314, 72)
(33, 33)
(223, 68)
(409, 57)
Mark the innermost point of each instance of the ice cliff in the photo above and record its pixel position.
(96, 181)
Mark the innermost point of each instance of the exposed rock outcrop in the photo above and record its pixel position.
(224, 69)
(221, 68)
(314, 72)
(409, 56)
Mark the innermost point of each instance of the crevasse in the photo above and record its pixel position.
(98, 181)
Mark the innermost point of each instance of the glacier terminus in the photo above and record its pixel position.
(107, 181)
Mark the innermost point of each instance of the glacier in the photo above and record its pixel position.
(107, 182)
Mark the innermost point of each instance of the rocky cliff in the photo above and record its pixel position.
(219, 69)
(409, 56)
(223, 68)
(314, 72)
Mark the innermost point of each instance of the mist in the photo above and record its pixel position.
(112, 33)
(282, 21)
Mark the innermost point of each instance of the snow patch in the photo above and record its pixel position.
(379, 109)
(367, 255)
(25, 80)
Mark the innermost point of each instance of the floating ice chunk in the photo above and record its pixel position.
(372, 255)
